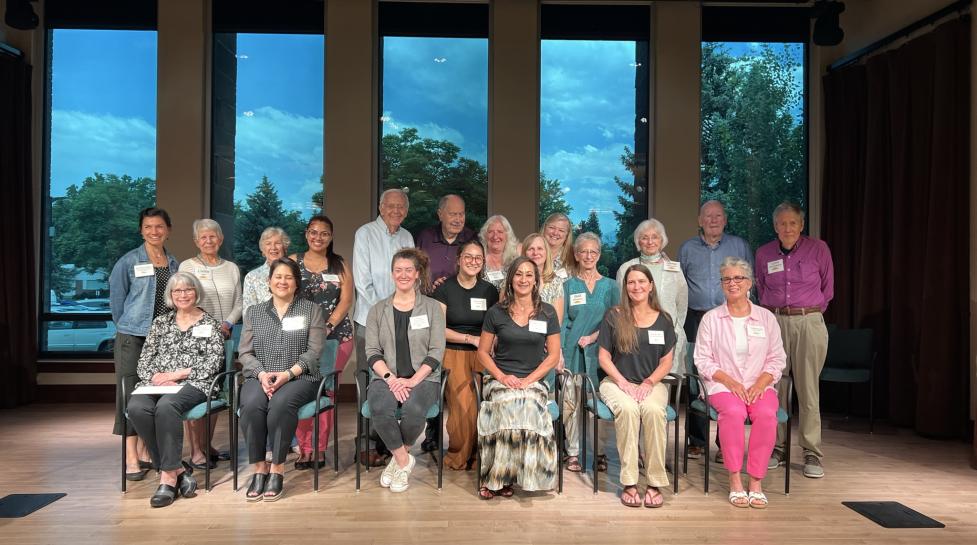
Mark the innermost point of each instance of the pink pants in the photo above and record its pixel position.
(304, 430)
(732, 416)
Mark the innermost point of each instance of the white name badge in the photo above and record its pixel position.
(672, 266)
(562, 273)
(578, 299)
(205, 330)
(756, 331)
(479, 303)
(293, 323)
(419, 322)
(656, 337)
(330, 278)
(775, 266)
(146, 269)
(202, 274)
(537, 326)
(495, 276)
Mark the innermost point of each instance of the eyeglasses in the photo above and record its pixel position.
(727, 280)
(468, 258)
(184, 291)
(316, 234)
(589, 252)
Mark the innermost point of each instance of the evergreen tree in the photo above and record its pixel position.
(262, 209)
(552, 199)
(590, 224)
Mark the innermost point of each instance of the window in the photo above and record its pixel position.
(434, 104)
(593, 128)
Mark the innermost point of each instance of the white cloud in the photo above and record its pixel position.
(392, 125)
(587, 178)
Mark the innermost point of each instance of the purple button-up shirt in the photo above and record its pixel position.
(803, 278)
(443, 255)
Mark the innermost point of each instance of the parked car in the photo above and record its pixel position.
(80, 336)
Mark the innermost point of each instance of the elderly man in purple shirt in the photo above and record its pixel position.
(441, 241)
(795, 280)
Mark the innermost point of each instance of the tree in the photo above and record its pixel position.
(552, 199)
(634, 210)
(262, 209)
(591, 224)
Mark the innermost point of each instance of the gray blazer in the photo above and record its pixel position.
(426, 344)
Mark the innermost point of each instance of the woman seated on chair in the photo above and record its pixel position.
(184, 347)
(280, 348)
(404, 348)
(636, 342)
(515, 434)
(740, 357)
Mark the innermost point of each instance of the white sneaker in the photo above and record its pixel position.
(387, 476)
(400, 481)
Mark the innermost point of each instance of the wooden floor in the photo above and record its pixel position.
(68, 448)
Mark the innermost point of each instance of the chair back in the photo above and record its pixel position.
(230, 345)
(591, 363)
(327, 361)
(849, 349)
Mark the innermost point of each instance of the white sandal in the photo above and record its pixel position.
(739, 495)
(758, 500)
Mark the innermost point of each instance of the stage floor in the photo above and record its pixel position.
(69, 448)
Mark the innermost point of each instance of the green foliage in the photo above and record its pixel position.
(262, 209)
(551, 198)
(591, 224)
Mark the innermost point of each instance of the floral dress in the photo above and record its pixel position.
(324, 290)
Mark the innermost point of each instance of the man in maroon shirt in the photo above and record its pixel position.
(441, 241)
(795, 280)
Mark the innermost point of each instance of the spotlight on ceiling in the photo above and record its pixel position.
(20, 15)
(827, 31)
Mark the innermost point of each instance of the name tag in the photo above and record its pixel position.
(756, 331)
(775, 266)
(205, 330)
(293, 323)
(562, 273)
(578, 299)
(419, 322)
(479, 303)
(330, 278)
(495, 276)
(202, 274)
(672, 266)
(537, 326)
(146, 269)
(656, 337)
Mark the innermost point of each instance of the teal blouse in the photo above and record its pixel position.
(582, 314)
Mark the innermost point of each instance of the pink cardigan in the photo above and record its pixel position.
(715, 348)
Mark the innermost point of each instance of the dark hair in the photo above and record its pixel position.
(473, 242)
(153, 212)
(421, 262)
(509, 295)
(292, 266)
(335, 260)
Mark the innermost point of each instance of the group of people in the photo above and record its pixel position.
(515, 313)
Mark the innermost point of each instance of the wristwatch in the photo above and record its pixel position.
(387, 375)
(329, 326)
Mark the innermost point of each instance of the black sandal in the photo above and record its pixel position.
(572, 464)
(257, 487)
(274, 488)
(506, 491)
(485, 494)
(164, 496)
(601, 463)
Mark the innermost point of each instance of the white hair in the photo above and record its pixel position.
(511, 250)
(395, 190)
(586, 237)
(443, 201)
(206, 224)
(274, 232)
(650, 224)
(730, 262)
(182, 278)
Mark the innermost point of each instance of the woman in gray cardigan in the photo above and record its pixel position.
(404, 348)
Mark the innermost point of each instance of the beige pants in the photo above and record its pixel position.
(629, 417)
(806, 343)
(571, 415)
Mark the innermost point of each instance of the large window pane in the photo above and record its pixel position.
(102, 170)
(754, 138)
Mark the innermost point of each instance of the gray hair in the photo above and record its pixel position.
(274, 232)
(788, 206)
(443, 201)
(511, 250)
(206, 224)
(738, 262)
(586, 237)
(721, 206)
(182, 278)
(650, 223)
(395, 190)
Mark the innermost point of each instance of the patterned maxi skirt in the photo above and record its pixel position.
(515, 437)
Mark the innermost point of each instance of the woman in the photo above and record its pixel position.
(221, 298)
(520, 344)
(551, 285)
(740, 357)
(670, 285)
(185, 347)
(586, 298)
(280, 348)
(501, 248)
(636, 341)
(559, 237)
(404, 348)
(465, 299)
(327, 282)
(136, 288)
(273, 243)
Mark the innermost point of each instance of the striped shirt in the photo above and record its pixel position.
(222, 288)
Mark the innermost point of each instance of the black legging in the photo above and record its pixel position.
(158, 419)
(272, 420)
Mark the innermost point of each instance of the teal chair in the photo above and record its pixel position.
(596, 407)
(851, 360)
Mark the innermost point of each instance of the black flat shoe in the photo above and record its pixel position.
(164, 496)
(187, 484)
(137, 475)
(195, 465)
(300, 465)
(146, 465)
(274, 487)
(221, 456)
(256, 492)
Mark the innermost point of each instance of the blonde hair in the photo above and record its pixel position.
(547, 274)
(566, 250)
(511, 250)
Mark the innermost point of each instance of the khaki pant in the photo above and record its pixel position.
(460, 401)
(629, 417)
(806, 343)
(571, 416)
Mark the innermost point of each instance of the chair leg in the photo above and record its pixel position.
(123, 456)
(595, 450)
(356, 448)
(335, 436)
(708, 453)
(685, 449)
(440, 451)
(560, 445)
(582, 444)
(787, 460)
(206, 449)
(675, 458)
(315, 451)
(234, 442)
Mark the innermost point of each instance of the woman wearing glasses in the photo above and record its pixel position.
(465, 298)
(740, 358)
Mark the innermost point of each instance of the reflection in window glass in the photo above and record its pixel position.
(593, 139)
(754, 143)
(102, 167)
(267, 130)
(435, 124)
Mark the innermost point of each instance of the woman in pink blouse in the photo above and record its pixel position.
(740, 358)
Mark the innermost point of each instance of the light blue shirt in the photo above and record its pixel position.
(700, 263)
(373, 250)
(132, 298)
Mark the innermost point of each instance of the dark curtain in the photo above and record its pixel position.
(18, 322)
(896, 216)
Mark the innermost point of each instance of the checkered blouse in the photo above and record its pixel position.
(270, 344)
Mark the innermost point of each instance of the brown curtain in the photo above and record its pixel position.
(895, 214)
(18, 322)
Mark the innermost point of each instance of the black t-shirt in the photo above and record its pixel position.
(519, 351)
(459, 302)
(401, 326)
(653, 344)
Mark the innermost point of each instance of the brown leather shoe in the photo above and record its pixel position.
(370, 458)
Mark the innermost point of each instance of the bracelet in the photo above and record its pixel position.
(291, 375)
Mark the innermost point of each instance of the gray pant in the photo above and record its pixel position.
(159, 421)
(272, 421)
(126, 357)
(413, 412)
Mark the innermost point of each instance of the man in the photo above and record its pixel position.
(374, 246)
(700, 258)
(795, 280)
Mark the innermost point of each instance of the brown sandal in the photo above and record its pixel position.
(650, 503)
(572, 464)
(506, 491)
(485, 494)
(631, 499)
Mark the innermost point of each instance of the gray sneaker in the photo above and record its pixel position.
(812, 467)
(776, 460)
